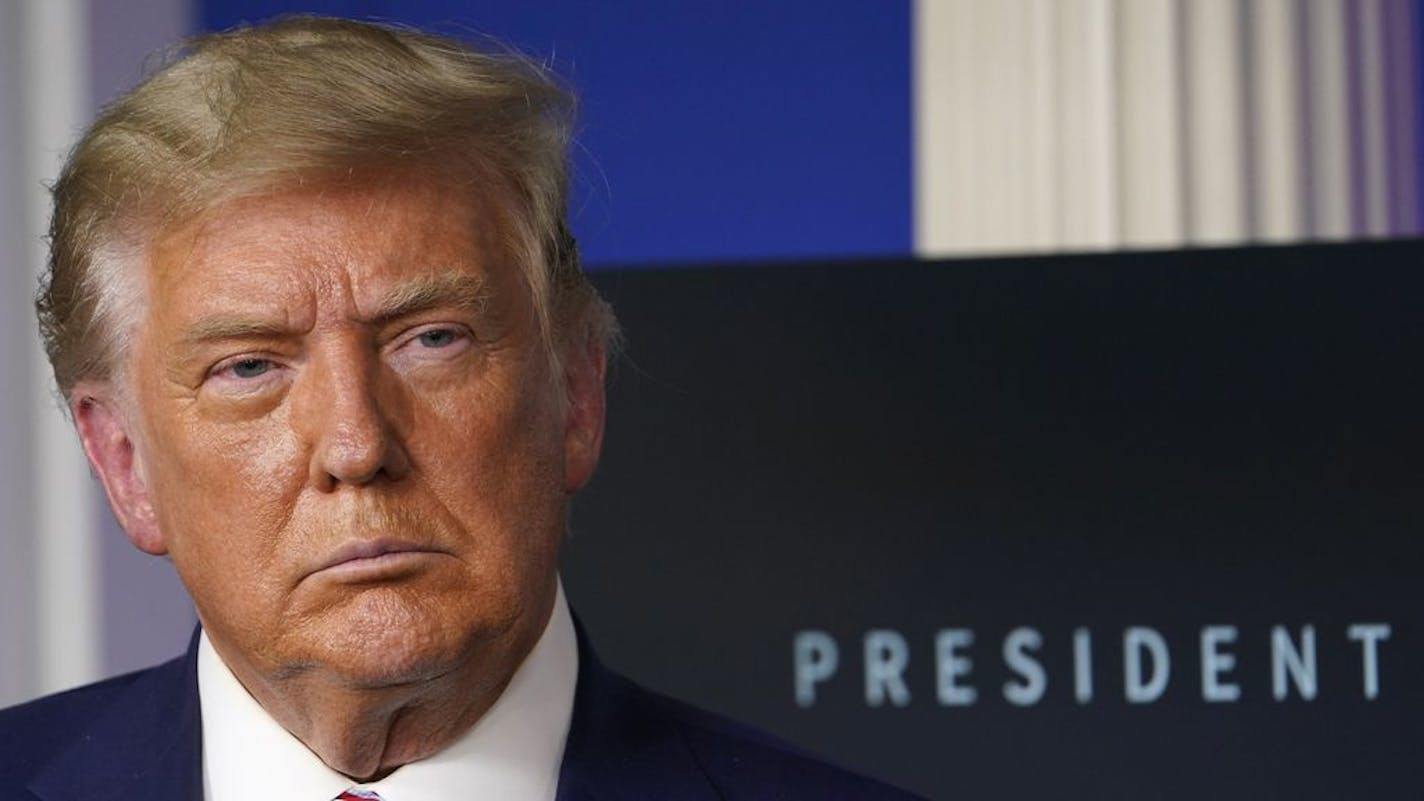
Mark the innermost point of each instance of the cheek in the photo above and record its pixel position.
(225, 493)
(496, 463)
(252, 458)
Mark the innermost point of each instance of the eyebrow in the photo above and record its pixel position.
(216, 329)
(453, 289)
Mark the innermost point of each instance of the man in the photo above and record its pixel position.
(318, 318)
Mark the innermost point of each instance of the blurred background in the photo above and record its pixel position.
(835, 150)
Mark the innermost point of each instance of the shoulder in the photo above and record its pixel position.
(747, 763)
(32, 734)
(736, 762)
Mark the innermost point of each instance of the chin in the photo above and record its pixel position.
(386, 638)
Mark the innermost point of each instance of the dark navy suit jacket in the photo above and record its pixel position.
(139, 736)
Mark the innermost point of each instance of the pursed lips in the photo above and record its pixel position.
(372, 554)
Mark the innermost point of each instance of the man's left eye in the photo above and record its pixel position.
(437, 338)
(250, 368)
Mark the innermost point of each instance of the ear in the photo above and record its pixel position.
(585, 365)
(104, 429)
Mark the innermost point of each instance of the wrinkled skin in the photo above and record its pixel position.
(338, 419)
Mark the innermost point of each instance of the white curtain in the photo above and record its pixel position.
(1053, 125)
(75, 602)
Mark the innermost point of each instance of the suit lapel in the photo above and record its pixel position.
(622, 746)
(145, 743)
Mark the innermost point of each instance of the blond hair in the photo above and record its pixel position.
(258, 108)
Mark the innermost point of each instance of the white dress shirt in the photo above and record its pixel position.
(513, 753)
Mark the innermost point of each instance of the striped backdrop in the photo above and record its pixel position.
(1080, 124)
(724, 131)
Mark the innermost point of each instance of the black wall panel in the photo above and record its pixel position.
(1219, 454)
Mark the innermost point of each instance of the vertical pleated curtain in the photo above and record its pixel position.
(1068, 125)
(48, 576)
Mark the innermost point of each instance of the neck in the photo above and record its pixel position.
(365, 734)
(367, 730)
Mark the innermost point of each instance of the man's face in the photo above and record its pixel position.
(344, 430)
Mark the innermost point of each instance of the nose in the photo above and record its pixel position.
(352, 438)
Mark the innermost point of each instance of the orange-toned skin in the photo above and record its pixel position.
(332, 372)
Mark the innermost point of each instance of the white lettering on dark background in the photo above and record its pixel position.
(1147, 662)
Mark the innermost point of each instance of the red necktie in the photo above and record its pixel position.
(358, 795)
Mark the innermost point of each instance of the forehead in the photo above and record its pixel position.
(349, 238)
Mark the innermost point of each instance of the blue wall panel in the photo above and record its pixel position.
(711, 130)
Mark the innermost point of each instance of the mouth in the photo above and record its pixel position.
(374, 560)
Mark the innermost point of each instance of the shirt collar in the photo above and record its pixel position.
(513, 752)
